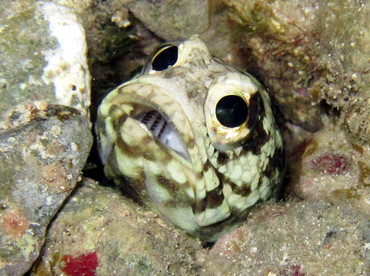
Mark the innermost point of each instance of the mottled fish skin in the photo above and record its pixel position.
(208, 188)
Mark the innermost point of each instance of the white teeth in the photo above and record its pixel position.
(154, 121)
(164, 131)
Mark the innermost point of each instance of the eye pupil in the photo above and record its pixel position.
(165, 57)
(231, 111)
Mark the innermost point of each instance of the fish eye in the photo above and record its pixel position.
(231, 111)
(165, 57)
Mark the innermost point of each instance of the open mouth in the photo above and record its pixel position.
(164, 131)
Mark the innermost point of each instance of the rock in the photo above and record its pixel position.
(333, 169)
(43, 57)
(114, 42)
(304, 238)
(171, 20)
(307, 52)
(43, 146)
(100, 232)
(40, 164)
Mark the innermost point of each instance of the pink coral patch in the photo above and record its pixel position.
(331, 163)
(82, 265)
(296, 270)
(292, 270)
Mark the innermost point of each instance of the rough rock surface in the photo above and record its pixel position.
(304, 238)
(331, 168)
(44, 143)
(99, 232)
(171, 19)
(43, 56)
(308, 51)
(40, 163)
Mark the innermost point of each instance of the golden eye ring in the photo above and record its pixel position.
(164, 57)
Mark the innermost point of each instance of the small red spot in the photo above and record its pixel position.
(296, 270)
(84, 265)
(331, 163)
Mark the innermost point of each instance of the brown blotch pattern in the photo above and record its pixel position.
(222, 158)
(254, 110)
(244, 190)
(169, 185)
(258, 138)
(212, 200)
(276, 161)
(215, 197)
